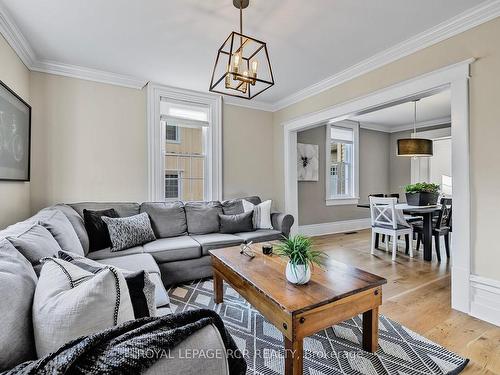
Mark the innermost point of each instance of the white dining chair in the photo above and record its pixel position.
(388, 220)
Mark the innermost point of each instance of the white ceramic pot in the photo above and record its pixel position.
(299, 274)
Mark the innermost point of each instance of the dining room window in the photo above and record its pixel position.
(342, 163)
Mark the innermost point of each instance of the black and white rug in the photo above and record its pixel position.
(336, 350)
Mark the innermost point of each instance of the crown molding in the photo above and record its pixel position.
(399, 128)
(473, 17)
(15, 38)
(467, 20)
(89, 74)
(252, 104)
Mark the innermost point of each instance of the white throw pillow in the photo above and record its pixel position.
(70, 302)
(261, 213)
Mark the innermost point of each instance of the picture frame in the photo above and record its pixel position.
(15, 136)
(307, 162)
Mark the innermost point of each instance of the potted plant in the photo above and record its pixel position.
(422, 194)
(301, 258)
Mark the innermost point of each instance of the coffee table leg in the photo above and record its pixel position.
(218, 290)
(293, 357)
(370, 330)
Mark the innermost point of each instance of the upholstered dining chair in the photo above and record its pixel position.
(389, 221)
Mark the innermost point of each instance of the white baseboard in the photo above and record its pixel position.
(334, 227)
(485, 299)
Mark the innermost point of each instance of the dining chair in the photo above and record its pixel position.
(440, 227)
(389, 221)
(393, 195)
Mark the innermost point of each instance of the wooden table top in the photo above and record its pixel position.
(267, 275)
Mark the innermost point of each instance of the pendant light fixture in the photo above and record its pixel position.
(242, 67)
(415, 147)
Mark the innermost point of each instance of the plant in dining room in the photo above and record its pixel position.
(422, 194)
(302, 257)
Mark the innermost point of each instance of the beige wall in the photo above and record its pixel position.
(247, 152)
(14, 196)
(481, 43)
(90, 143)
(373, 177)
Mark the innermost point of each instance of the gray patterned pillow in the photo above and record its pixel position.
(126, 232)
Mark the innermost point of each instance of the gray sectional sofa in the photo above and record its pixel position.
(185, 233)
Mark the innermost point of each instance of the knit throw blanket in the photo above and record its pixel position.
(118, 349)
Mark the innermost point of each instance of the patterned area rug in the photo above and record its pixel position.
(336, 350)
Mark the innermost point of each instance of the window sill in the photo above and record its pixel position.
(342, 201)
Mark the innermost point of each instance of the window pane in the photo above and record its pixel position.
(341, 169)
(171, 185)
(172, 133)
(188, 158)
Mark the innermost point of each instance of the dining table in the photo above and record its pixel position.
(426, 212)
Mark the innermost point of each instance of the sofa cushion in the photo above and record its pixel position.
(78, 225)
(168, 219)
(123, 208)
(107, 253)
(61, 229)
(261, 214)
(235, 206)
(127, 232)
(208, 342)
(260, 235)
(17, 287)
(203, 217)
(58, 312)
(97, 229)
(134, 262)
(138, 262)
(216, 240)
(173, 249)
(236, 223)
(35, 243)
(139, 283)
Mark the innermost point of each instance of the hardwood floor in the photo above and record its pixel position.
(417, 295)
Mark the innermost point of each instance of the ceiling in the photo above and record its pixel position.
(174, 42)
(431, 110)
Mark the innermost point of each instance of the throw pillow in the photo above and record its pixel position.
(97, 229)
(35, 243)
(70, 302)
(127, 232)
(261, 214)
(168, 219)
(61, 229)
(236, 223)
(140, 285)
(17, 287)
(203, 217)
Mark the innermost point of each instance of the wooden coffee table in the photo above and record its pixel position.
(331, 296)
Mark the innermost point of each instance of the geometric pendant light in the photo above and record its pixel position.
(242, 67)
(415, 147)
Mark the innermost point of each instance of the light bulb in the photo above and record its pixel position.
(255, 64)
(237, 59)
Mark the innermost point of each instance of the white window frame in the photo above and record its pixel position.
(177, 139)
(353, 197)
(156, 139)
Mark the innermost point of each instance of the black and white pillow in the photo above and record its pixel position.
(58, 312)
(96, 229)
(261, 213)
(126, 232)
(140, 286)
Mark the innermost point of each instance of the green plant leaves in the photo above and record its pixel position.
(422, 187)
(299, 250)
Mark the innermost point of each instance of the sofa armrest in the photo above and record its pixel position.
(201, 353)
(282, 222)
